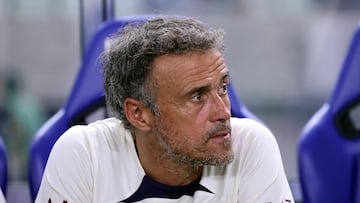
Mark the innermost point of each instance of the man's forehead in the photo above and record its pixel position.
(193, 61)
(185, 70)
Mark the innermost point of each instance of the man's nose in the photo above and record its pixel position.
(220, 108)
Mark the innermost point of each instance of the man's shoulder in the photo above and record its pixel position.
(245, 125)
(100, 133)
(96, 128)
(248, 132)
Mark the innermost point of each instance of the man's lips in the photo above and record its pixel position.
(219, 133)
(221, 136)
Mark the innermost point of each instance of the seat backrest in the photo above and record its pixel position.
(87, 96)
(3, 167)
(329, 145)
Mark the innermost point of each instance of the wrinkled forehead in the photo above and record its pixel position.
(191, 67)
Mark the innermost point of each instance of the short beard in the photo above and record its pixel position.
(178, 157)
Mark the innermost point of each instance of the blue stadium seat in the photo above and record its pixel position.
(329, 145)
(3, 167)
(87, 95)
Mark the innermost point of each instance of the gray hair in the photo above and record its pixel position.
(128, 62)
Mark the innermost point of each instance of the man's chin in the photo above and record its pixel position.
(220, 159)
(227, 160)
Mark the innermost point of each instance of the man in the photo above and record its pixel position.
(172, 138)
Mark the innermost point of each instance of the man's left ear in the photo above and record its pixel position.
(137, 114)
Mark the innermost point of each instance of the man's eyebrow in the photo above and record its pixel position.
(199, 89)
(208, 87)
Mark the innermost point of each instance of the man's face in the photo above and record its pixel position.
(194, 122)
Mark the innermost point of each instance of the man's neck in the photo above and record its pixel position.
(162, 168)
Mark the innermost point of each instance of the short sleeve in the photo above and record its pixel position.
(67, 175)
(2, 198)
(261, 173)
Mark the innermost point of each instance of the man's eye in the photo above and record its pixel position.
(196, 97)
(223, 89)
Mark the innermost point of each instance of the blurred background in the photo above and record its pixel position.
(284, 58)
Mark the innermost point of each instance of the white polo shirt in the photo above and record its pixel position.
(98, 163)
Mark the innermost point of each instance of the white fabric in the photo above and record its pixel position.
(98, 163)
(2, 198)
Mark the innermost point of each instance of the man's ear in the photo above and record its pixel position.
(137, 114)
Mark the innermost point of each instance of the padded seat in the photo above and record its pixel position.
(329, 145)
(3, 167)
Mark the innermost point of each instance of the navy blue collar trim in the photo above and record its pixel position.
(152, 189)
